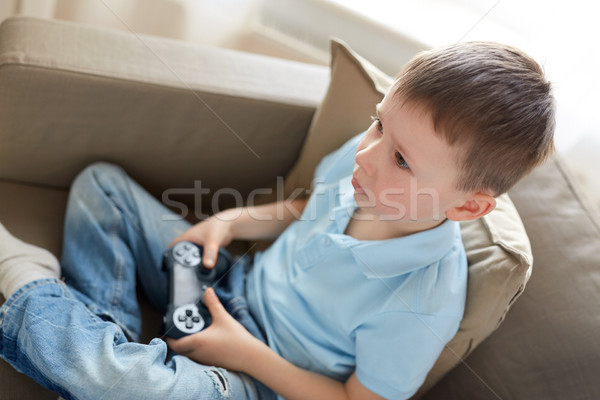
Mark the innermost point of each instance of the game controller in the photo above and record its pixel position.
(188, 280)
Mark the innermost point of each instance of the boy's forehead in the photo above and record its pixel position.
(392, 103)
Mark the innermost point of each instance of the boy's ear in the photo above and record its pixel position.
(478, 205)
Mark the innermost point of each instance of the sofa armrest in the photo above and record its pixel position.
(170, 112)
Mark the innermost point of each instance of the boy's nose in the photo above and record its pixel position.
(365, 160)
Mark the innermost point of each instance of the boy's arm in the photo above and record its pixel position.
(262, 222)
(248, 223)
(292, 382)
(227, 344)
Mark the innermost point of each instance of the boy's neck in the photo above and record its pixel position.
(363, 226)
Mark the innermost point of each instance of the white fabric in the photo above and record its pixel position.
(21, 263)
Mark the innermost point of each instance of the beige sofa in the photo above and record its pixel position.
(172, 114)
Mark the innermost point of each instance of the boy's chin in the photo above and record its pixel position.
(400, 216)
(370, 213)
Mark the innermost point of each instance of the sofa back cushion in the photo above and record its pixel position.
(171, 113)
(547, 347)
(500, 264)
(497, 246)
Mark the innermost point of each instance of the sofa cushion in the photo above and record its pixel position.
(169, 112)
(547, 347)
(35, 215)
(500, 264)
(497, 246)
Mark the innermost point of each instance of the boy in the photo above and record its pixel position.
(356, 298)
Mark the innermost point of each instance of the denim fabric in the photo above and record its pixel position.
(231, 290)
(79, 339)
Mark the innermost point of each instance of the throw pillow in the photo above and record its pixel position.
(355, 87)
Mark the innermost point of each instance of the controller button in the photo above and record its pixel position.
(196, 319)
(189, 324)
(188, 312)
(182, 318)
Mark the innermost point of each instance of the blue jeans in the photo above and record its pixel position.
(77, 338)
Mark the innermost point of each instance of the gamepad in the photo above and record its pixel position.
(188, 280)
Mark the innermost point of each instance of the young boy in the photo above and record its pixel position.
(356, 298)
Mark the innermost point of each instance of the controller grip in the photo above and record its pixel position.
(188, 280)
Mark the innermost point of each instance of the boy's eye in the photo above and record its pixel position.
(400, 161)
(378, 123)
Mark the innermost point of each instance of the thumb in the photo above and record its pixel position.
(214, 305)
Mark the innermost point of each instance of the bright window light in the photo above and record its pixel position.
(561, 35)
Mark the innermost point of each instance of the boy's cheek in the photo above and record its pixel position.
(361, 146)
(387, 205)
(408, 206)
(393, 211)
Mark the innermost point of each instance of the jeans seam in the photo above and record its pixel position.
(21, 291)
(19, 355)
(63, 391)
(116, 300)
(113, 234)
(114, 200)
(121, 212)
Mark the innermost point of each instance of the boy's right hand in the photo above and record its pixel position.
(211, 234)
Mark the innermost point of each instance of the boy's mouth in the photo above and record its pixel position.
(357, 187)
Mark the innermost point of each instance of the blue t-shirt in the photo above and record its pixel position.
(333, 304)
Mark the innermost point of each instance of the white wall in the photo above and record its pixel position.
(203, 21)
(310, 23)
(34, 8)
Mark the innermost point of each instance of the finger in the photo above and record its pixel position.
(177, 346)
(185, 344)
(210, 254)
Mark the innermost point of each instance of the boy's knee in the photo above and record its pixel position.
(132, 369)
(93, 171)
(95, 175)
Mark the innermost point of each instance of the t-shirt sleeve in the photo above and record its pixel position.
(395, 350)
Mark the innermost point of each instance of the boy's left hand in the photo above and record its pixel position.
(225, 343)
